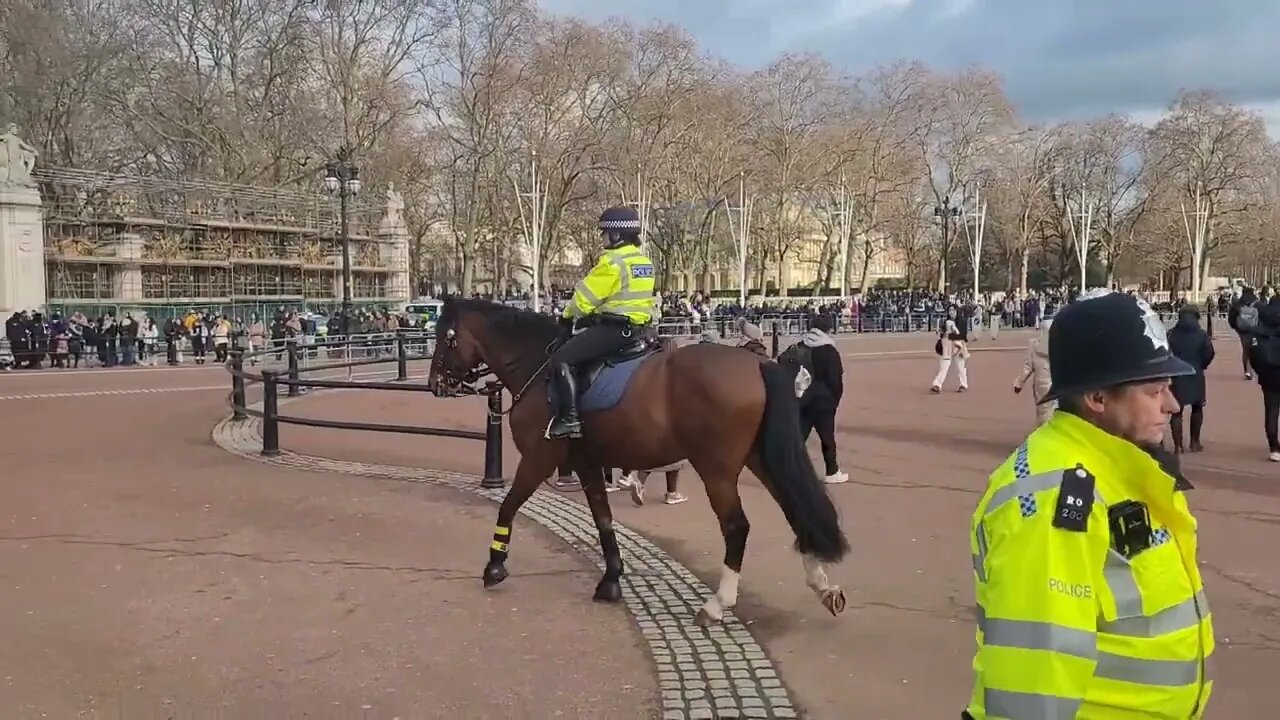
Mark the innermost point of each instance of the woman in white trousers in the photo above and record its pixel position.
(954, 341)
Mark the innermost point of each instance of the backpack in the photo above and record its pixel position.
(1247, 319)
(798, 354)
(799, 358)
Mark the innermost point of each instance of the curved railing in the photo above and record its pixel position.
(297, 376)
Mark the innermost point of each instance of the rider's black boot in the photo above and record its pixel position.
(566, 424)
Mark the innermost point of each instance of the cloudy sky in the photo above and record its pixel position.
(1061, 59)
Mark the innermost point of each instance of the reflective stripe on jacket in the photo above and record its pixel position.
(1068, 627)
(620, 283)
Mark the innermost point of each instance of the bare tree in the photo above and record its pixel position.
(793, 100)
(60, 63)
(1019, 195)
(963, 119)
(481, 62)
(1212, 152)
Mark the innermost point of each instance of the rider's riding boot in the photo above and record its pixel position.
(566, 424)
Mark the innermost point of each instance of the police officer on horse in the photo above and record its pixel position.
(613, 306)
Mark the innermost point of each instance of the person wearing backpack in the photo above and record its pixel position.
(1246, 305)
(817, 353)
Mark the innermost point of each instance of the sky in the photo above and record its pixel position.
(1060, 59)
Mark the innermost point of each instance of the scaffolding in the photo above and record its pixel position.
(116, 243)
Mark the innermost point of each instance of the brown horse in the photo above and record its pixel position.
(677, 400)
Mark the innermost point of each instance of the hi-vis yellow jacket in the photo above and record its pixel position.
(1067, 626)
(620, 283)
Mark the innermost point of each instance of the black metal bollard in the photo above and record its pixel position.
(774, 341)
(237, 384)
(270, 413)
(493, 439)
(402, 358)
(292, 346)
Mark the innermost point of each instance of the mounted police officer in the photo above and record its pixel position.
(614, 305)
(1090, 600)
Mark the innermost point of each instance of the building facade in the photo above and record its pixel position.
(160, 247)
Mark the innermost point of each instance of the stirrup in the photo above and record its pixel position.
(558, 429)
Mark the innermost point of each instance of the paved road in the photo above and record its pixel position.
(148, 573)
(918, 464)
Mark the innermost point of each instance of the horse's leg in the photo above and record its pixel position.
(815, 572)
(533, 469)
(592, 477)
(722, 491)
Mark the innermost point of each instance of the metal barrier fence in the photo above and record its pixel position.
(292, 379)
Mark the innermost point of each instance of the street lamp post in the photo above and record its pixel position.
(946, 212)
(342, 178)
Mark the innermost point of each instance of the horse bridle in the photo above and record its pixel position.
(473, 376)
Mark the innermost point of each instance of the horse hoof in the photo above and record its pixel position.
(608, 591)
(705, 619)
(833, 600)
(494, 573)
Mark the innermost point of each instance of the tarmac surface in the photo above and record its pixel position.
(147, 573)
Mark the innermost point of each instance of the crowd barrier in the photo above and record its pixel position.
(294, 377)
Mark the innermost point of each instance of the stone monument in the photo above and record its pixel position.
(21, 228)
(395, 250)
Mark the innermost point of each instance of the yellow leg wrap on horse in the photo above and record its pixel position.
(501, 531)
(499, 546)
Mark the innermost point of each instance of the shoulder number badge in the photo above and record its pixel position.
(1075, 500)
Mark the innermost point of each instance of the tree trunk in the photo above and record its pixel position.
(1026, 262)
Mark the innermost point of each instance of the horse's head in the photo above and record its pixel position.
(475, 338)
(458, 360)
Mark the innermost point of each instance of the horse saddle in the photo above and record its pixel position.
(603, 381)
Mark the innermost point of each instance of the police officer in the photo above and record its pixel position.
(1090, 600)
(615, 303)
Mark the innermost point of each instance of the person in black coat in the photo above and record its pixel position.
(819, 403)
(1192, 345)
(1263, 348)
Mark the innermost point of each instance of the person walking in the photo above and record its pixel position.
(1192, 345)
(819, 403)
(1089, 593)
(1246, 304)
(1035, 368)
(1262, 346)
(635, 480)
(953, 348)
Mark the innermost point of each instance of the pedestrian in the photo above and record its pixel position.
(752, 336)
(819, 403)
(1262, 345)
(952, 348)
(1247, 304)
(1035, 368)
(636, 479)
(1192, 345)
(1090, 599)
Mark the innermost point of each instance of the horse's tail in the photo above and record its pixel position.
(796, 486)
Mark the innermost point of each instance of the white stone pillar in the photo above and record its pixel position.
(127, 281)
(22, 280)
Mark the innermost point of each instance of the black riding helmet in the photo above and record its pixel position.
(1106, 339)
(620, 226)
